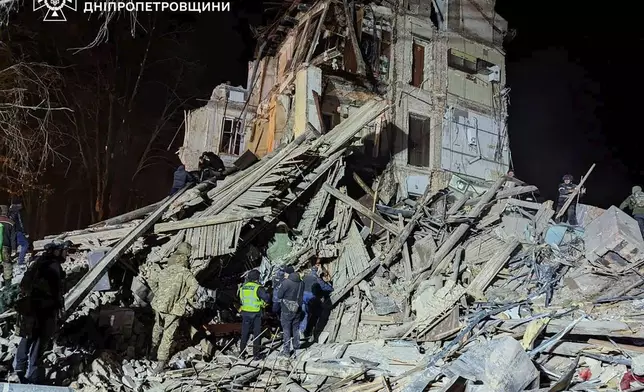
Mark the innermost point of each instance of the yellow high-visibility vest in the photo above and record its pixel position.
(250, 301)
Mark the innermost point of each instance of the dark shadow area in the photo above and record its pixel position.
(570, 98)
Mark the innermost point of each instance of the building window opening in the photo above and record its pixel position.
(418, 141)
(231, 136)
(418, 65)
(468, 63)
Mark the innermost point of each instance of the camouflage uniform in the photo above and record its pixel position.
(174, 288)
(8, 244)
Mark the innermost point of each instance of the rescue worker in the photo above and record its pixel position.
(315, 287)
(253, 298)
(174, 290)
(566, 188)
(280, 276)
(181, 178)
(8, 244)
(290, 297)
(211, 167)
(39, 306)
(635, 202)
(21, 232)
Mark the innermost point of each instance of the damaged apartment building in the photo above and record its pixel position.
(439, 63)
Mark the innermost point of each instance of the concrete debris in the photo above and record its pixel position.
(500, 307)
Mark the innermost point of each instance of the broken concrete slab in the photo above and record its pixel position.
(500, 364)
(614, 231)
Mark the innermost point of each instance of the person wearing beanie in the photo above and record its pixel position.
(253, 298)
(635, 203)
(316, 285)
(280, 276)
(566, 189)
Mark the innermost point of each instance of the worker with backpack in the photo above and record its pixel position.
(39, 306)
(635, 202)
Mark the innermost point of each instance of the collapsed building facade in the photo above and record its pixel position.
(440, 64)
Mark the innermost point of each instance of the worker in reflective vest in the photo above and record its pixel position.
(253, 299)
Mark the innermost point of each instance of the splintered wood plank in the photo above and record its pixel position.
(379, 220)
(491, 269)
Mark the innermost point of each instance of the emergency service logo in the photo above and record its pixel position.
(55, 9)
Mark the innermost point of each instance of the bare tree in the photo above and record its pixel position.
(29, 92)
(172, 106)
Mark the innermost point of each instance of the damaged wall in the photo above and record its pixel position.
(217, 127)
(451, 110)
(472, 145)
(438, 61)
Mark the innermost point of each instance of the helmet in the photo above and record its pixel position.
(568, 177)
(636, 189)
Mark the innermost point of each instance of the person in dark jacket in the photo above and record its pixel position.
(566, 188)
(281, 275)
(181, 178)
(211, 167)
(8, 244)
(315, 287)
(253, 299)
(21, 232)
(290, 296)
(40, 302)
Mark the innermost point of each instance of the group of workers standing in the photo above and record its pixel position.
(299, 298)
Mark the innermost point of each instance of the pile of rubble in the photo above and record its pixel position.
(437, 290)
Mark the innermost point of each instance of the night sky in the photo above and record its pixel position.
(573, 101)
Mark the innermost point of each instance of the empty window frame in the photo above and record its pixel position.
(231, 136)
(467, 63)
(418, 64)
(418, 141)
(461, 61)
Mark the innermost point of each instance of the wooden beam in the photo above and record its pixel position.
(524, 204)
(459, 203)
(129, 216)
(401, 238)
(78, 293)
(316, 36)
(355, 45)
(612, 328)
(504, 194)
(486, 198)
(357, 314)
(212, 220)
(361, 209)
(491, 269)
(364, 186)
(90, 236)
